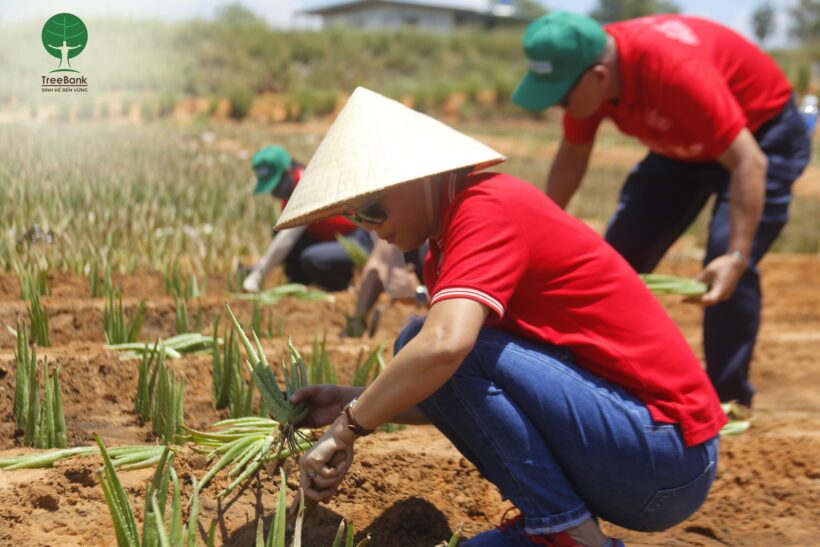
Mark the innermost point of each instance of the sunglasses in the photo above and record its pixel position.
(369, 213)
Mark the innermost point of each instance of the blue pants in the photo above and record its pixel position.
(662, 197)
(563, 444)
(324, 263)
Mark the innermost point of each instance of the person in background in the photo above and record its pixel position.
(311, 254)
(719, 119)
(545, 360)
(388, 270)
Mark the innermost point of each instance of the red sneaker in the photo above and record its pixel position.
(511, 533)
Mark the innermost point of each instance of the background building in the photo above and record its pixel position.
(427, 15)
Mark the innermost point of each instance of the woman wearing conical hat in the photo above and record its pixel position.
(543, 357)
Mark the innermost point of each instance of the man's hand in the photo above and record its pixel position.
(721, 275)
(252, 282)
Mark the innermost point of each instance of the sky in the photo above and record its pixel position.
(286, 13)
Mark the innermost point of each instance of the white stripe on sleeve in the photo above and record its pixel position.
(472, 294)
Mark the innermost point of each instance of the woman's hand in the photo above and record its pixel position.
(324, 466)
(325, 401)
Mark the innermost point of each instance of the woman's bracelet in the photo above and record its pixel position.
(352, 424)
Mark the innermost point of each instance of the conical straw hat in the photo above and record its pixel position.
(373, 144)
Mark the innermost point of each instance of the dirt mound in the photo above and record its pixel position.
(410, 487)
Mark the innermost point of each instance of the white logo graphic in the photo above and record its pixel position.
(541, 67)
(678, 30)
(656, 120)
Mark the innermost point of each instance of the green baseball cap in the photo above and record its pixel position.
(269, 164)
(560, 46)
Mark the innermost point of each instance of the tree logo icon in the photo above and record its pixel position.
(65, 36)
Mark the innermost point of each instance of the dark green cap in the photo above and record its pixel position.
(560, 46)
(269, 164)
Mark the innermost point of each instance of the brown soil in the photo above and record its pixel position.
(411, 487)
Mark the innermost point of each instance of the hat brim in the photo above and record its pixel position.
(535, 93)
(373, 144)
(268, 185)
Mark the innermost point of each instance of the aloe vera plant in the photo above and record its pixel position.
(320, 369)
(244, 443)
(25, 358)
(229, 389)
(670, 284)
(39, 320)
(154, 531)
(160, 396)
(354, 250)
(276, 536)
(98, 287)
(366, 371)
(183, 321)
(179, 285)
(118, 330)
(289, 290)
(173, 347)
(122, 457)
(41, 418)
(277, 402)
(32, 281)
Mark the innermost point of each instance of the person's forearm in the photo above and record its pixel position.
(279, 248)
(370, 288)
(747, 191)
(417, 372)
(566, 172)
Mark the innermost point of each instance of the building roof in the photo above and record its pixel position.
(483, 7)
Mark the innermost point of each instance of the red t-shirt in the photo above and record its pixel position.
(688, 87)
(323, 230)
(548, 277)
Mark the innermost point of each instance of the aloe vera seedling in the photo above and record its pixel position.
(287, 414)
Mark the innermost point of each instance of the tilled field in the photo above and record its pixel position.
(411, 487)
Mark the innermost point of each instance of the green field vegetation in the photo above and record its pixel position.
(141, 197)
(237, 56)
(150, 66)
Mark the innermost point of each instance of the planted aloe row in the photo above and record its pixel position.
(99, 287)
(181, 315)
(25, 358)
(160, 396)
(117, 329)
(41, 418)
(32, 282)
(39, 320)
(178, 285)
(229, 389)
(154, 532)
(320, 370)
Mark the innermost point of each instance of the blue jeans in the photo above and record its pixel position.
(563, 444)
(662, 197)
(324, 263)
